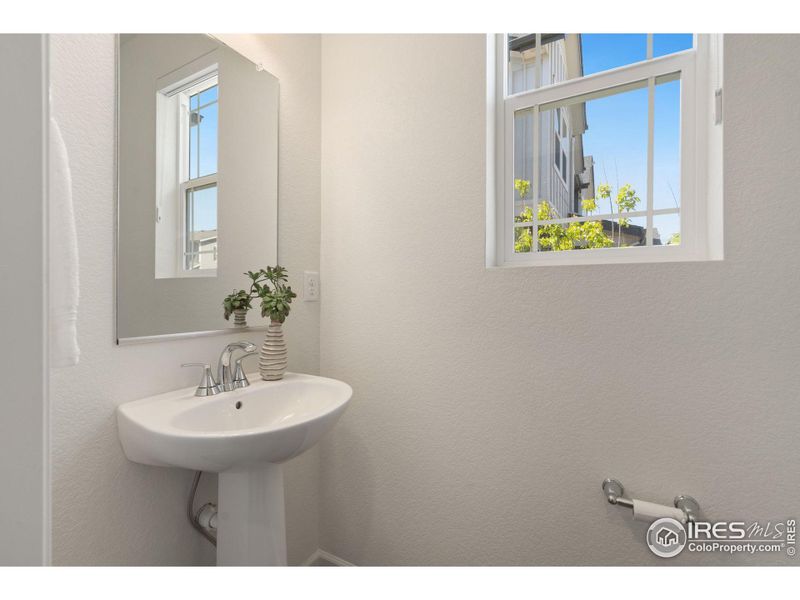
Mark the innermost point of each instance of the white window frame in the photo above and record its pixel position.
(199, 85)
(700, 208)
(172, 139)
(191, 185)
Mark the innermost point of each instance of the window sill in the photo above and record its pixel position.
(194, 274)
(606, 256)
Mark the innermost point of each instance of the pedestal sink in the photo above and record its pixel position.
(243, 435)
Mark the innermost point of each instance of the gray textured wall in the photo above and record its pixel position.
(490, 404)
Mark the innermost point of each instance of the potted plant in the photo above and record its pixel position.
(237, 304)
(269, 285)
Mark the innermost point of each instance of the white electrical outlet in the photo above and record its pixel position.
(310, 286)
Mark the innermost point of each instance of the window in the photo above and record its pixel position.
(198, 188)
(557, 157)
(560, 155)
(187, 240)
(603, 147)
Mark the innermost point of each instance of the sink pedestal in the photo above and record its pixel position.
(244, 435)
(251, 522)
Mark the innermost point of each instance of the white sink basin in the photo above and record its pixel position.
(268, 422)
(243, 435)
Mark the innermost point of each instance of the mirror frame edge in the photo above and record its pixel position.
(164, 337)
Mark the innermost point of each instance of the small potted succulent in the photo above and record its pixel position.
(237, 304)
(269, 285)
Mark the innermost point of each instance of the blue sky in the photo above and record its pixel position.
(617, 133)
(205, 209)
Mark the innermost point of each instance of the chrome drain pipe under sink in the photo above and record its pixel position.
(205, 519)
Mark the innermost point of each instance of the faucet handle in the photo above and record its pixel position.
(239, 378)
(224, 370)
(207, 387)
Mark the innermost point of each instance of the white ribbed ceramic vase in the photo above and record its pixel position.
(273, 358)
(240, 317)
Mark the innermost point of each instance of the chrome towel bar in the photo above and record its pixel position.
(614, 491)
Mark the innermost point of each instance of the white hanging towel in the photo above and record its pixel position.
(63, 251)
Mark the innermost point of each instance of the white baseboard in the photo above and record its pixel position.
(321, 558)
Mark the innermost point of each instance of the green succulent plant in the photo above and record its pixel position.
(235, 301)
(269, 285)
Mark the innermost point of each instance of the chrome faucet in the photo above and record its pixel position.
(225, 375)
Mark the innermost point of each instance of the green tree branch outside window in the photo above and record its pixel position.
(561, 236)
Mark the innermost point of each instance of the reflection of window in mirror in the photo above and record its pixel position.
(187, 144)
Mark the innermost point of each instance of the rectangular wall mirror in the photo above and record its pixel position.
(197, 174)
